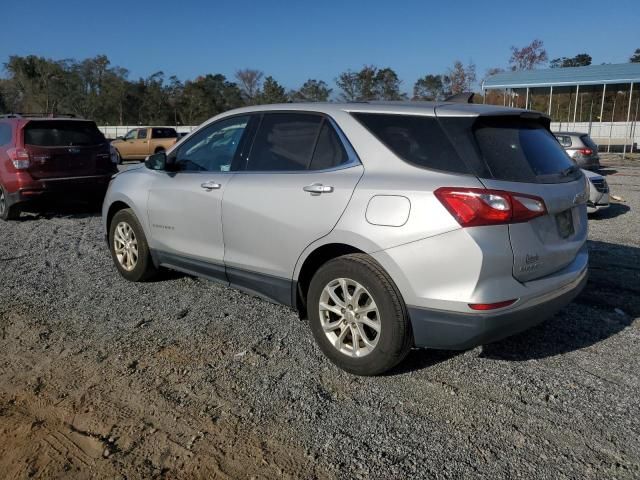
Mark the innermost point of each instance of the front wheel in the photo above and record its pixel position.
(129, 247)
(357, 315)
(7, 212)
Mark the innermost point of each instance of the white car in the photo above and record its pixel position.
(598, 192)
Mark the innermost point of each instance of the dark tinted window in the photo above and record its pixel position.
(142, 133)
(5, 133)
(329, 150)
(518, 149)
(284, 142)
(416, 139)
(62, 134)
(211, 149)
(163, 133)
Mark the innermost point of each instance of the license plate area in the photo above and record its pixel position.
(564, 220)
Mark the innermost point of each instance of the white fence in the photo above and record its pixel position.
(113, 131)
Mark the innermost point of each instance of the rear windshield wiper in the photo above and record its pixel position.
(568, 171)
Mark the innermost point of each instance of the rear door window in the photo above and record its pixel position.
(53, 133)
(329, 151)
(284, 142)
(517, 149)
(142, 133)
(163, 133)
(418, 140)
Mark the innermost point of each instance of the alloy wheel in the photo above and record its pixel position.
(125, 245)
(349, 317)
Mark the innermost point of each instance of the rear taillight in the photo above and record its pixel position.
(491, 306)
(585, 151)
(19, 157)
(473, 207)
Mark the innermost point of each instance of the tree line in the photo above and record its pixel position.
(94, 88)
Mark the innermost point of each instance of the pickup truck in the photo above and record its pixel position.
(139, 143)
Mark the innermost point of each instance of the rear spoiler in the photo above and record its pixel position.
(464, 97)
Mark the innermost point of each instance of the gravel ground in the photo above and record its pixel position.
(184, 378)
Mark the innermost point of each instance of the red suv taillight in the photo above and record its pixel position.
(585, 151)
(473, 207)
(19, 157)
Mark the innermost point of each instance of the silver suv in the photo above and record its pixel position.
(386, 225)
(580, 148)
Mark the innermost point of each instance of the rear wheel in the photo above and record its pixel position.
(129, 247)
(159, 149)
(7, 212)
(357, 315)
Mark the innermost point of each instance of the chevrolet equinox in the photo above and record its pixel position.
(387, 225)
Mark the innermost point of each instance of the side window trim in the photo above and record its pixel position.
(353, 158)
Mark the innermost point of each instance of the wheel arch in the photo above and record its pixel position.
(310, 265)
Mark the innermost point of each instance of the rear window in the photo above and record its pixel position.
(418, 140)
(62, 134)
(163, 133)
(517, 149)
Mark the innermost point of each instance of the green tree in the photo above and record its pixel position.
(580, 60)
(429, 87)
(312, 91)
(370, 83)
(272, 92)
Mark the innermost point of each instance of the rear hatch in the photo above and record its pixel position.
(65, 148)
(518, 153)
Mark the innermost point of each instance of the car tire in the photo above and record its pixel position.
(159, 149)
(129, 247)
(336, 320)
(7, 212)
(119, 162)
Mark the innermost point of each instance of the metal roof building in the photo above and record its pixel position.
(597, 80)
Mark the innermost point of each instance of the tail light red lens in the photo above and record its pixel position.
(491, 306)
(19, 157)
(586, 151)
(474, 207)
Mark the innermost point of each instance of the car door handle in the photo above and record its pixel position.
(210, 186)
(318, 188)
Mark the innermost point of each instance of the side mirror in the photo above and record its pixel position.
(119, 138)
(157, 161)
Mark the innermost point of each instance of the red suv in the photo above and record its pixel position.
(42, 156)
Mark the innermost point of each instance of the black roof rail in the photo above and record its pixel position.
(38, 115)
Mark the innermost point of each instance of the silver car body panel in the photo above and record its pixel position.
(269, 225)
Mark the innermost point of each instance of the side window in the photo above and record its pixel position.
(142, 133)
(564, 140)
(131, 135)
(212, 149)
(329, 152)
(163, 133)
(284, 142)
(5, 134)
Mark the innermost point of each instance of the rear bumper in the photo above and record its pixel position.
(589, 163)
(459, 331)
(39, 190)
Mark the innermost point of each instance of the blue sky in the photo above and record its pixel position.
(297, 40)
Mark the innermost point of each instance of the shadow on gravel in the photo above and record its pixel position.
(614, 210)
(607, 171)
(610, 302)
(61, 209)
